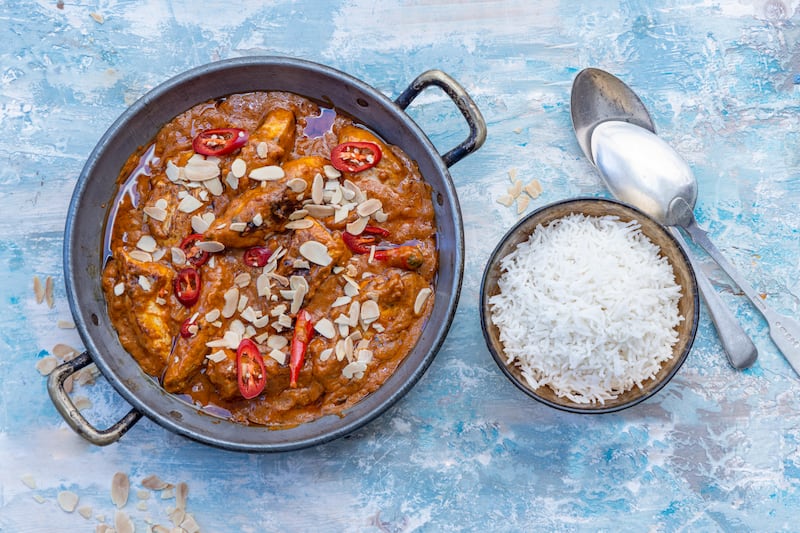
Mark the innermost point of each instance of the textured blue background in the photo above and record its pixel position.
(716, 450)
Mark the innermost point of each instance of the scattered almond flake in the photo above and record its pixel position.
(82, 402)
(182, 194)
(316, 252)
(297, 184)
(515, 189)
(178, 255)
(85, 511)
(67, 500)
(181, 495)
(344, 330)
(370, 312)
(161, 203)
(301, 264)
(371, 256)
(331, 172)
(278, 355)
(189, 525)
(237, 326)
(262, 285)
(199, 224)
(147, 243)
(173, 172)
(189, 204)
(232, 181)
(320, 211)
(277, 342)
(46, 365)
(214, 186)
(285, 320)
(522, 204)
(242, 279)
(325, 328)
(120, 485)
(262, 150)
(249, 314)
(48, 291)
(176, 516)
(364, 356)
(378, 327)
(38, 289)
(210, 246)
(156, 213)
(201, 170)
(351, 290)
(354, 369)
(141, 256)
(64, 351)
(357, 227)
(159, 254)
(303, 223)
(380, 216)
(28, 480)
(534, 188)
(341, 300)
(217, 357)
(65, 324)
(257, 220)
(144, 283)
(158, 528)
(242, 303)
(340, 215)
(268, 173)
(338, 269)
(97, 17)
(357, 195)
(123, 523)
(422, 297)
(168, 493)
(505, 199)
(317, 189)
(38, 498)
(367, 207)
(212, 315)
(238, 168)
(153, 482)
(231, 298)
(287, 294)
(238, 226)
(325, 354)
(512, 175)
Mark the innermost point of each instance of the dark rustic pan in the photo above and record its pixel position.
(96, 189)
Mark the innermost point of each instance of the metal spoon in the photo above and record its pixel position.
(600, 99)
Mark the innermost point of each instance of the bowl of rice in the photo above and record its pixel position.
(589, 305)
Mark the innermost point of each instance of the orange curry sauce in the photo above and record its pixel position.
(356, 344)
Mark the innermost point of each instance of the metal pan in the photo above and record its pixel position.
(96, 188)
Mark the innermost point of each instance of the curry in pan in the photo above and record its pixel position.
(269, 259)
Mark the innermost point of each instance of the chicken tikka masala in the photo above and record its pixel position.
(270, 259)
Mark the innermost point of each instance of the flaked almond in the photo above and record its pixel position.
(144, 283)
(357, 226)
(317, 189)
(278, 355)
(123, 523)
(48, 292)
(232, 181)
(156, 213)
(515, 189)
(354, 191)
(262, 150)
(199, 224)
(257, 220)
(120, 485)
(119, 289)
(325, 354)
(277, 342)
(189, 204)
(242, 279)
(67, 500)
(46, 365)
(200, 170)
(370, 312)
(297, 184)
(181, 495)
(331, 172)
(367, 207)
(65, 324)
(380, 216)
(210, 246)
(316, 252)
(147, 243)
(325, 328)
(522, 204)
(262, 285)
(28, 480)
(303, 223)
(231, 298)
(268, 173)
(301, 264)
(341, 300)
(217, 357)
(238, 168)
(153, 482)
(422, 297)
(298, 214)
(237, 226)
(38, 289)
(140, 255)
(354, 370)
(214, 186)
(364, 356)
(178, 256)
(354, 313)
(534, 188)
(173, 172)
(64, 352)
(505, 199)
(340, 215)
(320, 211)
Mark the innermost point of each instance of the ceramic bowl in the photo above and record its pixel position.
(688, 305)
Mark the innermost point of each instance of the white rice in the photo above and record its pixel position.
(587, 307)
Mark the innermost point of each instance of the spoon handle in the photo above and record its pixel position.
(785, 331)
(737, 344)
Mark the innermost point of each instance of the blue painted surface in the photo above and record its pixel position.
(716, 450)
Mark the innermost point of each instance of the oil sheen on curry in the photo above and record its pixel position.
(270, 260)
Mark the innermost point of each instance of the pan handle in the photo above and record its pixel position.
(465, 104)
(73, 417)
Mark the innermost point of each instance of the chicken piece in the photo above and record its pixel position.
(389, 169)
(317, 274)
(189, 353)
(277, 132)
(273, 202)
(148, 286)
(223, 375)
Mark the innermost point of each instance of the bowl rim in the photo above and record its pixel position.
(486, 319)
